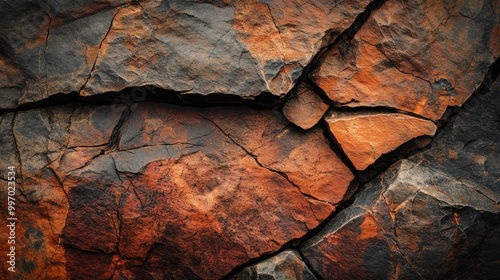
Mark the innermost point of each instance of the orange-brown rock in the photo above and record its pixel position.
(433, 215)
(367, 136)
(163, 191)
(114, 181)
(241, 48)
(419, 56)
(304, 108)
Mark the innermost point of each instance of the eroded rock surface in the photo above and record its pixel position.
(435, 215)
(367, 136)
(163, 190)
(419, 56)
(240, 48)
(109, 186)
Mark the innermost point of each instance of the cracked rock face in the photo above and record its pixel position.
(256, 139)
(167, 190)
(419, 56)
(434, 215)
(240, 48)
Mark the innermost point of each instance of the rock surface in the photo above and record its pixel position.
(365, 137)
(433, 216)
(240, 48)
(419, 56)
(165, 190)
(166, 139)
(304, 108)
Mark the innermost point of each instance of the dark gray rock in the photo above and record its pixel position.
(287, 265)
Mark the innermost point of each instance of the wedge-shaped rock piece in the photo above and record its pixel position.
(365, 137)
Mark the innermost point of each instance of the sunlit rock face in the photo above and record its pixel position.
(250, 139)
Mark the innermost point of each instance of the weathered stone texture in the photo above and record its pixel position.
(240, 48)
(433, 216)
(420, 56)
(220, 139)
(166, 190)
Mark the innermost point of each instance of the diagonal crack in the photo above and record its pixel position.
(116, 135)
(396, 240)
(308, 265)
(279, 33)
(396, 67)
(215, 45)
(92, 70)
(113, 142)
(282, 174)
(45, 50)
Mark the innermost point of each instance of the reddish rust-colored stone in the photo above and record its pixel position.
(304, 108)
(417, 56)
(365, 137)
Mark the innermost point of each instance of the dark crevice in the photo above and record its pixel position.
(345, 36)
(51, 101)
(150, 93)
(337, 148)
(116, 135)
(377, 110)
(308, 265)
(489, 79)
